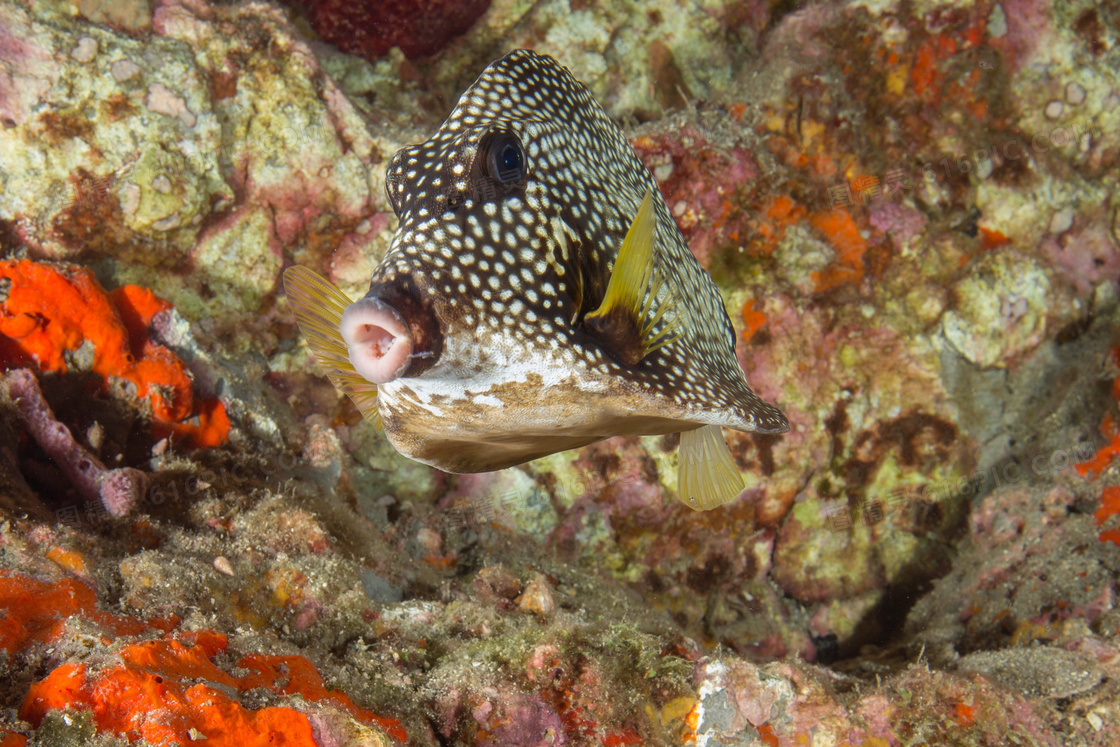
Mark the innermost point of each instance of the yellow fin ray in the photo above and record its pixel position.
(671, 332)
(708, 476)
(318, 306)
(635, 285)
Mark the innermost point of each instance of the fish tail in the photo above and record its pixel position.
(318, 306)
(708, 475)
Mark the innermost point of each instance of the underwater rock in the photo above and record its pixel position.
(102, 193)
(163, 169)
(1031, 565)
(698, 179)
(1041, 671)
(640, 61)
(1001, 311)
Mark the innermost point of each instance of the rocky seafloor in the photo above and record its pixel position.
(912, 212)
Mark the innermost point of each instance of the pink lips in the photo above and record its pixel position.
(378, 339)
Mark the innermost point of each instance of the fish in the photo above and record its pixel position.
(537, 296)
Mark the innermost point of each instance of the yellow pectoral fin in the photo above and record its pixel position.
(708, 476)
(625, 320)
(318, 306)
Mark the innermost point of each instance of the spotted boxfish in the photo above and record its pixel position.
(537, 297)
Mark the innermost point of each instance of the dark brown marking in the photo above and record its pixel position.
(618, 334)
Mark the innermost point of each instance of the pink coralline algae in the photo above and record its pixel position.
(902, 223)
(701, 183)
(27, 73)
(1085, 254)
(524, 721)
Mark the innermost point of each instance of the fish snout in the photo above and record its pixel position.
(378, 339)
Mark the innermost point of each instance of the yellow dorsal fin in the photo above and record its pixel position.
(626, 317)
(318, 306)
(708, 476)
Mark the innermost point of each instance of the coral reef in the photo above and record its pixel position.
(911, 212)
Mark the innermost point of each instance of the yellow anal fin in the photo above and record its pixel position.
(625, 320)
(708, 476)
(318, 306)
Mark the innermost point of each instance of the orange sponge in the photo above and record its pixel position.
(48, 311)
(164, 690)
(35, 612)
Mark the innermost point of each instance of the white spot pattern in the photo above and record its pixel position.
(579, 174)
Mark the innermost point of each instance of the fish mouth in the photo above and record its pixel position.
(378, 339)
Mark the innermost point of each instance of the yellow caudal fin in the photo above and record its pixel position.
(318, 306)
(708, 476)
(625, 319)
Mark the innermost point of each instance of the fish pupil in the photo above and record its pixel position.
(507, 161)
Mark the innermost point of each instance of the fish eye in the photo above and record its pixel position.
(506, 159)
